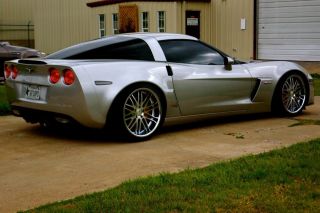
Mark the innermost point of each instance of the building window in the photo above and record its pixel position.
(115, 23)
(102, 25)
(161, 21)
(145, 21)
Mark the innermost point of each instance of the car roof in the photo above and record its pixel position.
(85, 46)
(159, 36)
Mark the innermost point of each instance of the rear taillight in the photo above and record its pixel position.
(7, 71)
(14, 72)
(54, 75)
(68, 76)
(10, 71)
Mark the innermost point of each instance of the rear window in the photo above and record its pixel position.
(110, 48)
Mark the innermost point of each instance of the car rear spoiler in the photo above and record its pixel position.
(26, 61)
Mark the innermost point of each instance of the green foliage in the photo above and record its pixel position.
(4, 105)
(316, 83)
(315, 76)
(286, 180)
(301, 122)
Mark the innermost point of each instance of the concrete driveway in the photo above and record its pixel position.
(37, 166)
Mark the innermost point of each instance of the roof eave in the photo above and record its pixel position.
(109, 2)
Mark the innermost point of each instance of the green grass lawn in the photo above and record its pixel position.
(317, 87)
(316, 79)
(4, 105)
(286, 180)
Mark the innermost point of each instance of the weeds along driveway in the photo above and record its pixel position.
(37, 167)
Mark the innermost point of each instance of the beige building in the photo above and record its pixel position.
(56, 24)
(226, 24)
(246, 29)
(262, 29)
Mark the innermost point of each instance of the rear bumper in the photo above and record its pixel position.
(63, 105)
(38, 116)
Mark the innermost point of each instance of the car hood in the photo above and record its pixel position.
(272, 68)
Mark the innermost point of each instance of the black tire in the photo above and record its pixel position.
(138, 112)
(290, 95)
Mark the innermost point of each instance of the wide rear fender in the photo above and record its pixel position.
(103, 82)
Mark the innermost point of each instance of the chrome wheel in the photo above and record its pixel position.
(293, 94)
(142, 112)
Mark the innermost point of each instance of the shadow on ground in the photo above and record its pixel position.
(83, 134)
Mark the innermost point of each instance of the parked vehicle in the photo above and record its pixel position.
(135, 82)
(10, 52)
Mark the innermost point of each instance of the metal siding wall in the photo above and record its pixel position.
(15, 12)
(67, 17)
(61, 23)
(226, 32)
(289, 30)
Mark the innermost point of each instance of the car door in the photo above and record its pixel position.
(201, 82)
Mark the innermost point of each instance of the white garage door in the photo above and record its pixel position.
(289, 30)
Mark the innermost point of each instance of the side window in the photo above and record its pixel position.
(145, 21)
(191, 52)
(115, 23)
(102, 26)
(135, 49)
(161, 21)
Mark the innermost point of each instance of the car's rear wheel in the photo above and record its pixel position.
(141, 112)
(291, 95)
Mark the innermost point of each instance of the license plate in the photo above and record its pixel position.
(32, 92)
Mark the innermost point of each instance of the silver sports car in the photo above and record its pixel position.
(135, 82)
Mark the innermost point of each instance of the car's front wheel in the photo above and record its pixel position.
(291, 95)
(141, 112)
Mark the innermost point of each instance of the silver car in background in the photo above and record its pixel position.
(134, 82)
(10, 52)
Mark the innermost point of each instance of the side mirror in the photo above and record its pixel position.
(228, 63)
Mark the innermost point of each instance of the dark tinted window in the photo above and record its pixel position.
(135, 49)
(191, 52)
(116, 47)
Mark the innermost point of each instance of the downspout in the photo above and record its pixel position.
(183, 7)
(29, 43)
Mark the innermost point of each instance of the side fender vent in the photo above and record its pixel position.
(255, 89)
